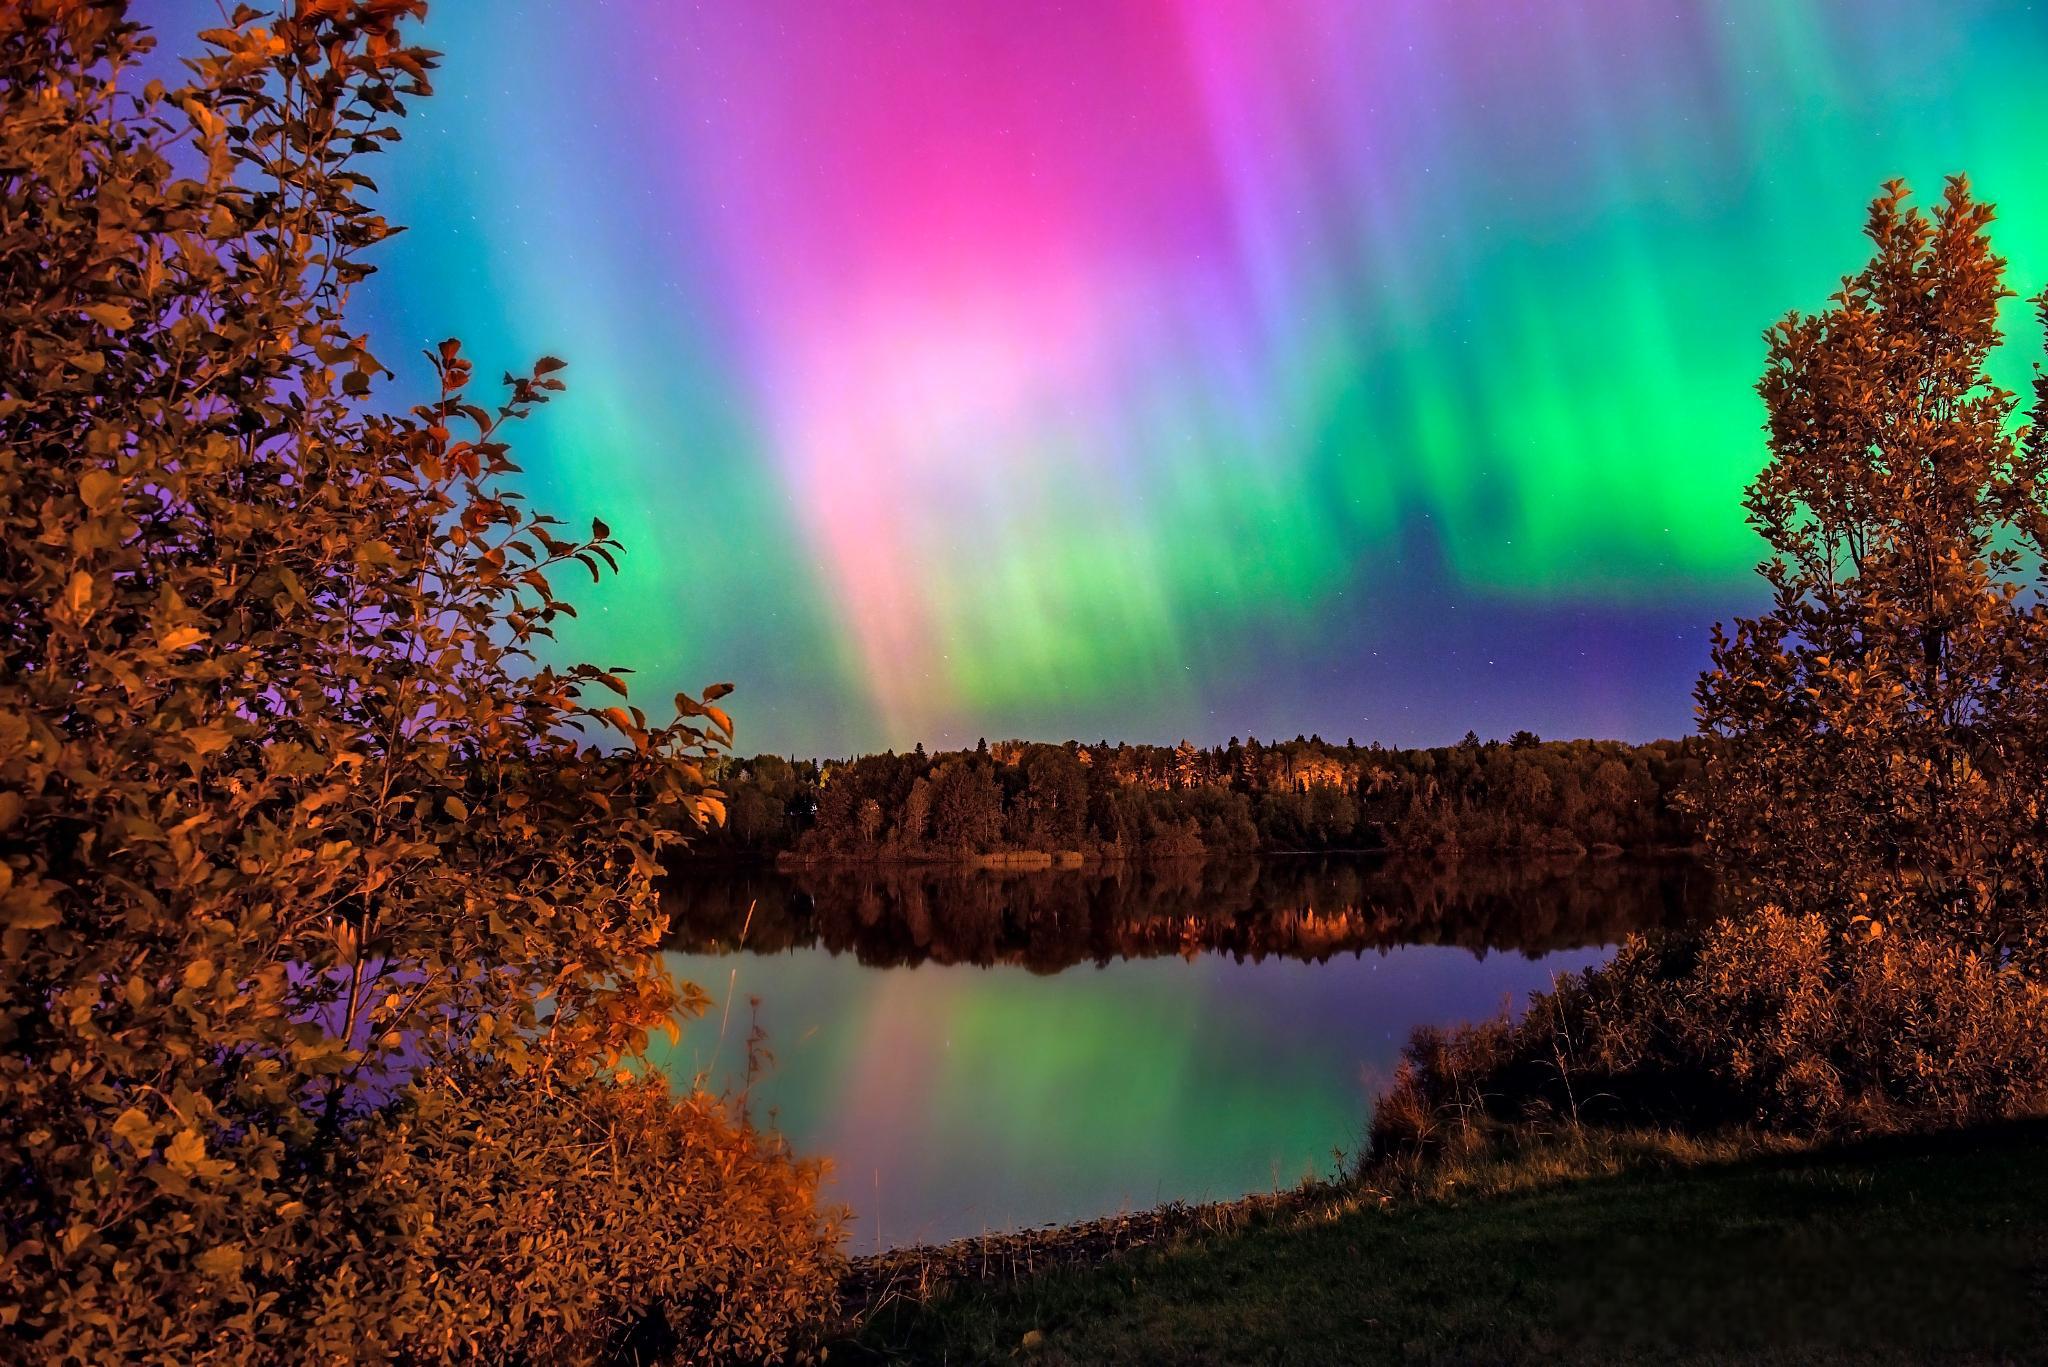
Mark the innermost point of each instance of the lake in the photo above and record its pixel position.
(979, 1051)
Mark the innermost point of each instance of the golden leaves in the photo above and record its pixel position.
(186, 1153)
(690, 707)
(29, 906)
(204, 121)
(1884, 715)
(207, 740)
(222, 1263)
(301, 785)
(77, 600)
(99, 489)
(134, 1126)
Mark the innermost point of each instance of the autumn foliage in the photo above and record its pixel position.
(1883, 728)
(326, 929)
(1877, 769)
(1772, 1022)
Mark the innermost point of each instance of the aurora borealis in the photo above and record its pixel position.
(1153, 369)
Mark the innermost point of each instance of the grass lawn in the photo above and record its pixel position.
(1932, 1250)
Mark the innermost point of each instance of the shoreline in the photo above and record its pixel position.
(1377, 1263)
(918, 1271)
(1512, 1162)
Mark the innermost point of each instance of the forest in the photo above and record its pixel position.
(1121, 801)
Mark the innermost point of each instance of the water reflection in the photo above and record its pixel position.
(1226, 1036)
(1302, 908)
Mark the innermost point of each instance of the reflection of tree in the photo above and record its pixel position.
(1297, 908)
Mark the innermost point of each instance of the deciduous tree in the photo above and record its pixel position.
(325, 906)
(1880, 732)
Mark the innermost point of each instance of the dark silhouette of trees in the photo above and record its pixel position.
(774, 803)
(327, 914)
(1132, 801)
(1049, 810)
(1880, 728)
(967, 807)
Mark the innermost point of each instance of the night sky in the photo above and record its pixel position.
(1151, 369)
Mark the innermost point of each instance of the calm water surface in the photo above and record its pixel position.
(981, 1051)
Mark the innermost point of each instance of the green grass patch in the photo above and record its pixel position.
(1624, 1250)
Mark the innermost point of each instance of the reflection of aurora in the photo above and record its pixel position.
(1220, 1028)
(1306, 909)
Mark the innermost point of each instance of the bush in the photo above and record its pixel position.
(485, 1221)
(551, 1228)
(1773, 1021)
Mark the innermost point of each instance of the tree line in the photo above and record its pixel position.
(1106, 800)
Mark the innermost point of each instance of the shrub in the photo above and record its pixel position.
(1773, 1021)
(485, 1222)
(325, 925)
